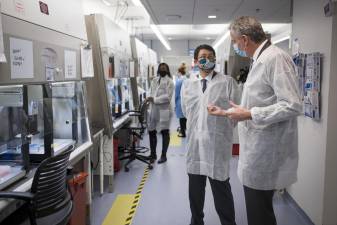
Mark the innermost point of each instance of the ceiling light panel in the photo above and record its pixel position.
(211, 16)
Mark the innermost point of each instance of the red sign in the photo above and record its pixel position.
(44, 8)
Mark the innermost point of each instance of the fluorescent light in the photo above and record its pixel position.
(137, 2)
(106, 2)
(160, 36)
(212, 17)
(169, 38)
(208, 38)
(222, 39)
(281, 39)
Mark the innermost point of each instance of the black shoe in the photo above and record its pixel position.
(153, 158)
(162, 159)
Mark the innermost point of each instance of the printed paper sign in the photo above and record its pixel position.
(21, 55)
(86, 62)
(69, 64)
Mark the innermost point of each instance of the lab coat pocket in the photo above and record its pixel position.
(164, 115)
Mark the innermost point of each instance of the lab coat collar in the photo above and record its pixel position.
(208, 78)
(258, 50)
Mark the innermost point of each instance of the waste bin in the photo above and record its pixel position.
(78, 191)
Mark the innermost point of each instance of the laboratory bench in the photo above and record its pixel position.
(7, 207)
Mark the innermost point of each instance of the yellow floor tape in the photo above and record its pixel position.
(125, 206)
(120, 210)
(175, 141)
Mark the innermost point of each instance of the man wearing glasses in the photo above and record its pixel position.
(209, 140)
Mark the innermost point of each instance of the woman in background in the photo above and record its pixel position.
(182, 120)
(160, 110)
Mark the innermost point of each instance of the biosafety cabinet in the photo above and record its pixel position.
(115, 47)
(42, 97)
(143, 69)
(110, 92)
(48, 117)
(140, 53)
(153, 63)
(14, 147)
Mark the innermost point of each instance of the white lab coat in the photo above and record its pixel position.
(160, 111)
(209, 138)
(268, 143)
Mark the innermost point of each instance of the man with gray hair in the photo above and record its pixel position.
(268, 124)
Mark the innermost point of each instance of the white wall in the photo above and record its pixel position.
(330, 189)
(314, 32)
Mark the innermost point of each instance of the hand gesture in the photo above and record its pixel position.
(238, 113)
(215, 110)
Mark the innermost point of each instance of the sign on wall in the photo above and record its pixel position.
(21, 57)
(69, 64)
(87, 62)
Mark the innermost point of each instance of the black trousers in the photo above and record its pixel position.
(259, 205)
(182, 122)
(222, 195)
(153, 142)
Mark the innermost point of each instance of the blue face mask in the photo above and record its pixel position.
(238, 51)
(206, 64)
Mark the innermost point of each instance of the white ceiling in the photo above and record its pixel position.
(206, 31)
(188, 19)
(197, 11)
(187, 31)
